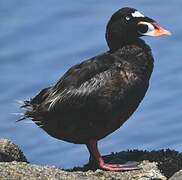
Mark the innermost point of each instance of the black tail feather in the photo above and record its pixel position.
(31, 105)
(25, 105)
(21, 119)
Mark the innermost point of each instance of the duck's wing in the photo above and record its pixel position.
(84, 83)
(84, 71)
(78, 82)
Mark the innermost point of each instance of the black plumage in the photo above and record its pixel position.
(94, 98)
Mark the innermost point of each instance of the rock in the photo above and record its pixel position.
(177, 176)
(10, 152)
(22, 170)
(154, 165)
(169, 161)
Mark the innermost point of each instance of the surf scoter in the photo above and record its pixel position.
(94, 98)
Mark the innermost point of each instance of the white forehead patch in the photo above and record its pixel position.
(137, 14)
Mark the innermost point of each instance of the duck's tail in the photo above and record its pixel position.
(32, 106)
(25, 105)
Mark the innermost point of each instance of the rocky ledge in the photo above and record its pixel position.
(163, 164)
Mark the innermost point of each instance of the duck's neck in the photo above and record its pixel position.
(118, 43)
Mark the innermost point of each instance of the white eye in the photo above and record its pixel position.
(146, 28)
(137, 14)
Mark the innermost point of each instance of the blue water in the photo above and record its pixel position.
(40, 40)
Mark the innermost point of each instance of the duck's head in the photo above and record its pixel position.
(128, 24)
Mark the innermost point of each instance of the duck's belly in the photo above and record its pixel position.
(80, 125)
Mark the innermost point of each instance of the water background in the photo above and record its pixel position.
(40, 40)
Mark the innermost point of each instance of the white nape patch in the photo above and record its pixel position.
(137, 14)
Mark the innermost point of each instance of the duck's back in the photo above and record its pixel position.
(95, 97)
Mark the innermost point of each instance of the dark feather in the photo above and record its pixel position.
(94, 98)
(91, 93)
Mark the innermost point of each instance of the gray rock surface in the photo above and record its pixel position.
(177, 176)
(154, 165)
(22, 170)
(10, 152)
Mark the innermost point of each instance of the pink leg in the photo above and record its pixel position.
(92, 146)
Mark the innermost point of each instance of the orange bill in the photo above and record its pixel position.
(159, 31)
